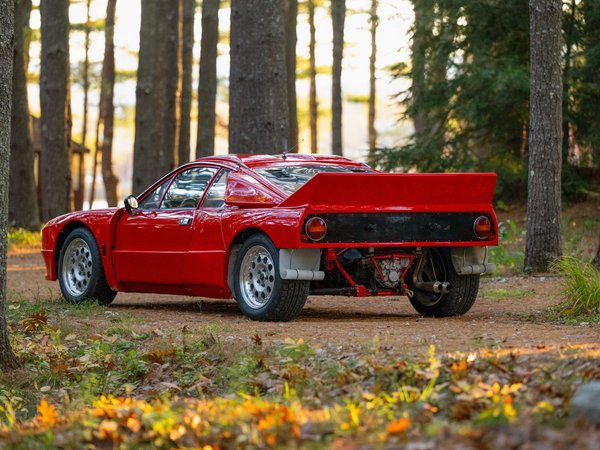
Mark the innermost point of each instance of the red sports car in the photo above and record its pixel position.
(271, 230)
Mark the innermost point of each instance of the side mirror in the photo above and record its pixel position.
(131, 204)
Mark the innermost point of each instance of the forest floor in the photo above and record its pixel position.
(157, 371)
(509, 313)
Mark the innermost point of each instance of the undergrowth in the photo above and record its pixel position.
(136, 387)
(580, 286)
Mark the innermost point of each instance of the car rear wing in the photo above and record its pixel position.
(432, 192)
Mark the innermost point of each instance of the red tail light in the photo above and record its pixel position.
(482, 227)
(316, 228)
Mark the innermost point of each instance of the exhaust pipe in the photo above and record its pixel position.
(437, 287)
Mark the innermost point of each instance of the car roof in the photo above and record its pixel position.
(256, 161)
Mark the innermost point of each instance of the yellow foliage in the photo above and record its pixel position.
(47, 414)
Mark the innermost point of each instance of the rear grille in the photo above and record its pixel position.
(400, 227)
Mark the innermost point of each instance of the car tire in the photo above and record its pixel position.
(80, 270)
(258, 287)
(461, 295)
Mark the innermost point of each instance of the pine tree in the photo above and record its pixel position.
(543, 242)
(338, 19)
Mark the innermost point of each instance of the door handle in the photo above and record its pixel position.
(185, 221)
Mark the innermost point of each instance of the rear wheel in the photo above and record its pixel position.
(460, 296)
(258, 287)
(80, 271)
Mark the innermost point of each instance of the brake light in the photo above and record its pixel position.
(482, 227)
(316, 228)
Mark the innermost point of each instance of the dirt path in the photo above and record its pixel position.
(494, 320)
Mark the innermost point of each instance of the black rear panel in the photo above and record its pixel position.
(400, 227)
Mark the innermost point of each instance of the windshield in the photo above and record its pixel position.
(291, 178)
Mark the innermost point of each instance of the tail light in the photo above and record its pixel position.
(482, 227)
(315, 228)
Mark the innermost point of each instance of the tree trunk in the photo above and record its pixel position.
(7, 36)
(157, 93)
(372, 83)
(107, 107)
(185, 105)
(207, 79)
(168, 154)
(291, 38)
(144, 145)
(258, 113)
(543, 199)
(596, 260)
(418, 89)
(570, 42)
(338, 18)
(22, 206)
(55, 157)
(313, 107)
(79, 191)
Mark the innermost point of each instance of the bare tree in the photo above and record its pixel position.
(185, 105)
(107, 107)
(207, 79)
(338, 19)
(7, 34)
(54, 101)
(291, 39)
(543, 197)
(372, 80)
(79, 190)
(22, 206)
(312, 73)
(258, 113)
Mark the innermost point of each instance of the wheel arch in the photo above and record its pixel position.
(234, 248)
(62, 236)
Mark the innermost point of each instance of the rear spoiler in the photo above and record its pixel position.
(459, 192)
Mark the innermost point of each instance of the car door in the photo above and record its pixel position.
(150, 245)
(205, 265)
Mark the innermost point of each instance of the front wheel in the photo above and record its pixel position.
(258, 287)
(462, 292)
(80, 271)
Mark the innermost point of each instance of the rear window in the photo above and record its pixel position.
(292, 178)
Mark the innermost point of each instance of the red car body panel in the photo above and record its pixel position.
(152, 252)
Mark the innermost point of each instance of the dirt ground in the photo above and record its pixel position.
(496, 320)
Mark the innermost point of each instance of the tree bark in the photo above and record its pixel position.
(596, 259)
(338, 18)
(422, 28)
(372, 82)
(185, 105)
(207, 79)
(7, 35)
(543, 242)
(54, 101)
(107, 107)
(22, 206)
(157, 92)
(258, 113)
(144, 145)
(79, 190)
(313, 107)
(291, 39)
(172, 86)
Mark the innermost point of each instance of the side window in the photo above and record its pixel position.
(153, 199)
(215, 197)
(187, 188)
